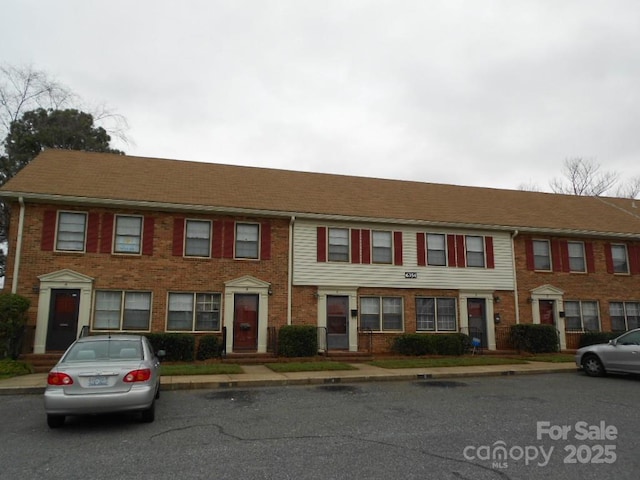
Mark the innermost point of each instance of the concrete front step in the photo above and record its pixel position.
(42, 362)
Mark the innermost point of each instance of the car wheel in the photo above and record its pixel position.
(149, 415)
(592, 366)
(55, 421)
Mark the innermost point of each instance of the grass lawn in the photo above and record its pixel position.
(200, 369)
(12, 368)
(308, 366)
(445, 362)
(551, 357)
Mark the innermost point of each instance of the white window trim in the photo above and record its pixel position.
(115, 235)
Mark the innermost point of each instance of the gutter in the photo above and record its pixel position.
(16, 264)
(290, 270)
(515, 276)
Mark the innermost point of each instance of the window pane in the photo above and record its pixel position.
(590, 316)
(128, 234)
(207, 311)
(616, 312)
(572, 316)
(180, 315)
(576, 257)
(633, 315)
(381, 247)
(71, 231)
(370, 313)
(247, 240)
(475, 251)
(619, 254)
(541, 257)
(107, 310)
(338, 245)
(446, 308)
(198, 238)
(436, 250)
(426, 314)
(392, 314)
(137, 310)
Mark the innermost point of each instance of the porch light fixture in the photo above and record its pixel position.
(496, 299)
(270, 291)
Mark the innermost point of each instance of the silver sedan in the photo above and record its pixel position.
(101, 374)
(620, 355)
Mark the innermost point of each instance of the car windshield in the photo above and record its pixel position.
(108, 349)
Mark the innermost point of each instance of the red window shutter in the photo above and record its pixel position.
(178, 237)
(366, 246)
(460, 251)
(634, 259)
(488, 248)
(397, 248)
(355, 245)
(321, 244)
(608, 257)
(528, 248)
(564, 255)
(229, 239)
(48, 230)
(422, 249)
(265, 241)
(451, 250)
(93, 232)
(588, 251)
(106, 237)
(147, 235)
(216, 240)
(556, 257)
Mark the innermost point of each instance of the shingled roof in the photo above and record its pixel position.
(64, 176)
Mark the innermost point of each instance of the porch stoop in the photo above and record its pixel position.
(41, 362)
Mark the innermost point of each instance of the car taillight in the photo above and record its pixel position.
(61, 379)
(138, 376)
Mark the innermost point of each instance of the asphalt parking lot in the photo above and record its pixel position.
(562, 425)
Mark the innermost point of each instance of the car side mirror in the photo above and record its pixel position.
(613, 342)
(161, 354)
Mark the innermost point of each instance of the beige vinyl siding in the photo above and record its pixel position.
(307, 271)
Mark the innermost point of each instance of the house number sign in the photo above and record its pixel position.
(410, 274)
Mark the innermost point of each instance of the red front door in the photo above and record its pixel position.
(245, 323)
(63, 319)
(546, 312)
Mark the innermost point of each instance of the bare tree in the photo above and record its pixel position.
(629, 189)
(529, 186)
(583, 177)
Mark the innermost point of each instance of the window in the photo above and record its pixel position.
(247, 235)
(577, 261)
(194, 312)
(198, 240)
(117, 310)
(619, 256)
(581, 316)
(381, 247)
(381, 313)
(624, 315)
(475, 251)
(71, 231)
(338, 245)
(128, 234)
(436, 249)
(436, 314)
(541, 255)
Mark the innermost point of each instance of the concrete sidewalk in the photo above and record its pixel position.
(260, 376)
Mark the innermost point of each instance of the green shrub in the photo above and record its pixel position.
(298, 341)
(592, 338)
(209, 346)
(13, 318)
(179, 347)
(11, 368)
(535, 338)
(431, 344)
(413, 344)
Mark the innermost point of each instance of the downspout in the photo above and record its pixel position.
(515, 275)
(16, 263)
(290, 273)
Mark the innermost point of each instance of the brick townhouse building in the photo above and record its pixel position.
(118, 243)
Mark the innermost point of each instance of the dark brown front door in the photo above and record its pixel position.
(546, 312)
(476, 308)
(245, 323)
(63, 319)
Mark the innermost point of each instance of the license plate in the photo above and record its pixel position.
(98, 381)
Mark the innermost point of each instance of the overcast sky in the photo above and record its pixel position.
(485, 93)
